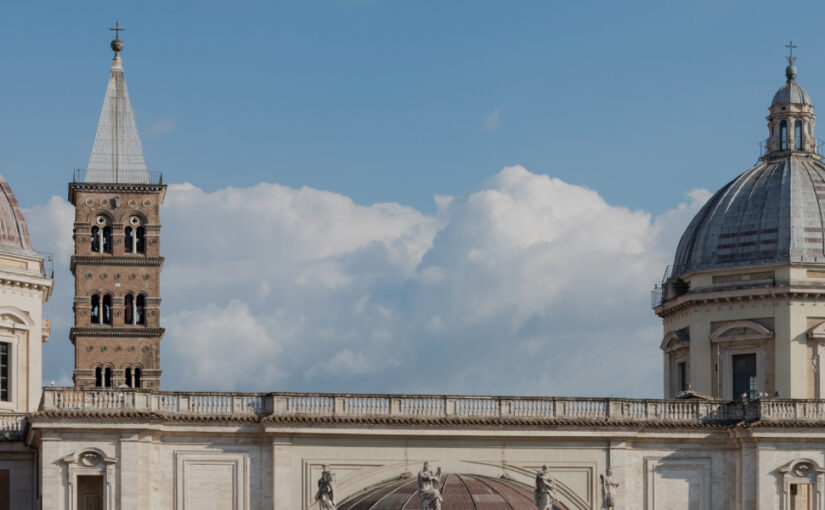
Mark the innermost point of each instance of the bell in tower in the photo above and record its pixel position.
(116, 261)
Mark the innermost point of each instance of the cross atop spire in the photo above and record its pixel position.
(117, 30)
(790, 57)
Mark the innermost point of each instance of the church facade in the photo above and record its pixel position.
(741, 425)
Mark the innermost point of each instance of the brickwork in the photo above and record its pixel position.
(108, 331)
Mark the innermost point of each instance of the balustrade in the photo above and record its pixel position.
(414, 406)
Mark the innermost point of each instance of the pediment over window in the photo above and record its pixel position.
(12, 317)
(91, 457)
(675, 340)
(738, 331)
(817, 332)
(801, 468)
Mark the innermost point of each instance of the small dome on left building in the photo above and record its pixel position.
(14, 235)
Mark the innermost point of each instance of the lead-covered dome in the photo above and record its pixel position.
(460, 492)
(14, 235)
(774, 212)
(791, 92)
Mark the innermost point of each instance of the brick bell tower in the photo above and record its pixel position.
(116, 262)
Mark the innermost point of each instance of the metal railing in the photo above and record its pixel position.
(763, 147)
(284, 405)
(121, 177)
(48, 264)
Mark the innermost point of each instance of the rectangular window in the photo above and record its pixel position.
(744, 375)
(90, 492)
(5, 360)
(800, 496)
(681, 375)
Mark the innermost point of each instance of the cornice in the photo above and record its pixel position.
(771, 293)
(106, 187)
(107, 331)
(105, 260)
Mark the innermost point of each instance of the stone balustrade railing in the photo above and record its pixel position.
(774, 410)
(12, 426)
(391, 406)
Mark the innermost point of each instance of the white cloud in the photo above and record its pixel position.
(492, 120)
(164, 124)
(529, 285)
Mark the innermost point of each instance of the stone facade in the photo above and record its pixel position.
(175, 450)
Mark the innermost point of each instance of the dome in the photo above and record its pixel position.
(791, 92)
(14, 235)
(460, 492)
(774, 212)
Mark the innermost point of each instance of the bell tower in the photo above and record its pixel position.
(116, 262)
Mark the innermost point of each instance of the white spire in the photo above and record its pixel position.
(117, 155)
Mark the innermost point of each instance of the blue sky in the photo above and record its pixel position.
(386, 101)
(462, 180)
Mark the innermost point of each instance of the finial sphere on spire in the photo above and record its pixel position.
(117, 44)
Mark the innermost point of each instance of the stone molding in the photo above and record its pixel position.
(106, 330)
(706, 297)
(114, 260)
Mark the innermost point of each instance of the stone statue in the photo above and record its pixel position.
(326, 489)
(609, 485)
(545, 492)
(429, 488)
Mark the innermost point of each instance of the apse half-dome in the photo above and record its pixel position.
(460, 492)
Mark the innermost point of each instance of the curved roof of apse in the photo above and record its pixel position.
(460, 492)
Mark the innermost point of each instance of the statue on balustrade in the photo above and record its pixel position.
(429, 488)
(609, 485)
(326, 489)
(545, 492)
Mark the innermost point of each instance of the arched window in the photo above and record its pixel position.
(129, 309)
(95, 312)
(129, 381)
(797, 133)
(137, 378)
(129, 247)
(107, 377)
(783, 135)
(107, 309)
(98, 377)
(107, 239)
(140, 243)
(95, 239)
(140, 309)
